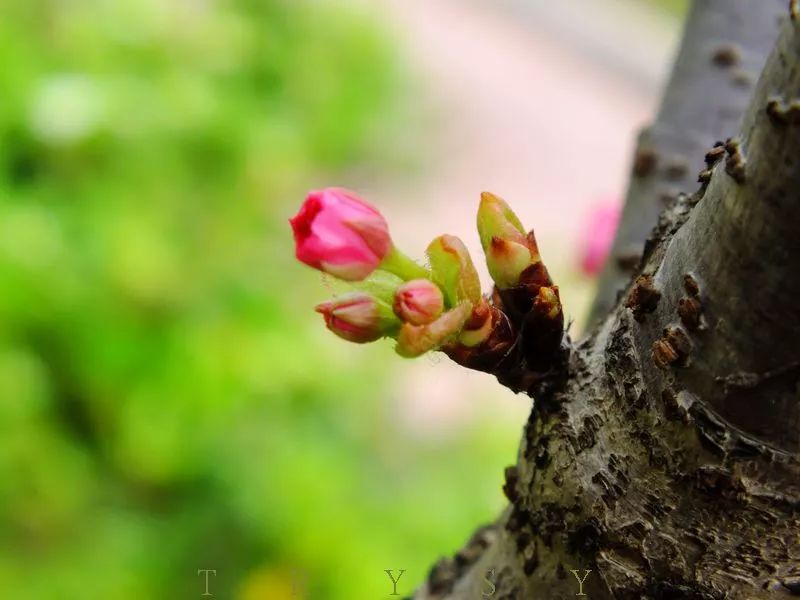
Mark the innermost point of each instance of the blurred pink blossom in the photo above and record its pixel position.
(598, 235)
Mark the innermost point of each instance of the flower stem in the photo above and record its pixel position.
(403, 266)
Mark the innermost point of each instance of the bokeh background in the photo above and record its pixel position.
(168, 400)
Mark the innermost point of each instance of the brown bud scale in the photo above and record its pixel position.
(726, 55)
(735, 163)
(663, 354)
(644, 161)
(674, 346)
(678, 339)
(487, 355)
(781, 113)
(690, 285)
(714, 155)
(689, 310)
(776, 112)
(704, 176)
(643, 297)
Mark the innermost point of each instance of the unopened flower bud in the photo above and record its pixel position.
(418, 302)
(414, 340)
(358, 317)
(339, 233)
(509, 250)
(496, 219)
(506, 261)
(454, 271)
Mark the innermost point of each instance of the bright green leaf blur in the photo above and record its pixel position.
(168, 400)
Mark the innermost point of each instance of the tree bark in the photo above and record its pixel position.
(666, 460)
(724, 47)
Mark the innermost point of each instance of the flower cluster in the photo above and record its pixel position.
(434, 307)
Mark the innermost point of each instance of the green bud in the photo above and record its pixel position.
(496, 219)
(509, 250)
(415, 340)
(453, 270)
(506, 261)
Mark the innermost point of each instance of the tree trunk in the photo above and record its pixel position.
(725, 45)
(664, 462)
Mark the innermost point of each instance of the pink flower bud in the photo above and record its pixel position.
(358, 317)
(337, 232)
(598, 236)
(418, 302)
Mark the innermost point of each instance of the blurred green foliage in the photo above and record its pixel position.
(168, 401)
(675, 7)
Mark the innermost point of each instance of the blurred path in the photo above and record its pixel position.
(538, 102)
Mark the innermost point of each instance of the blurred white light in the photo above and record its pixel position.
(66, 109)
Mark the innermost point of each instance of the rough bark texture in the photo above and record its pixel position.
(724, 46)
(666, 458)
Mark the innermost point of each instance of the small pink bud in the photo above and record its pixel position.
(418, 302)
(337, 232)
(358, 317)
(598, 236)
